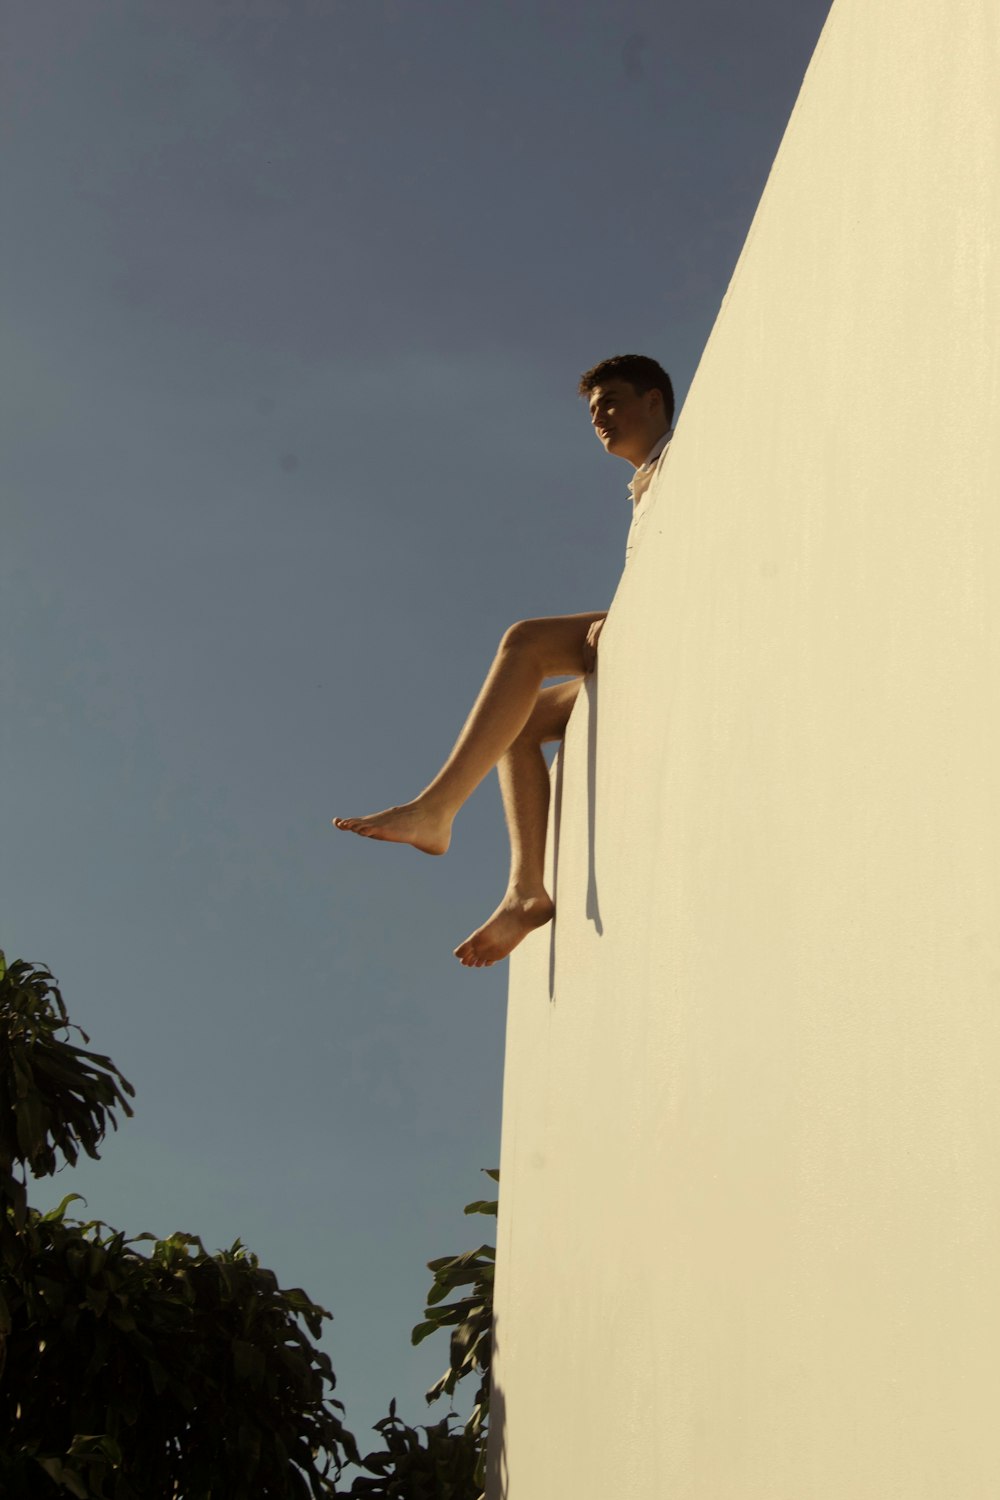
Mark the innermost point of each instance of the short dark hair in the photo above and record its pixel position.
(641, 372)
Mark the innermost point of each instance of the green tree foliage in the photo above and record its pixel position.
(160, 1373)
(469, 1316)
(55, 1098)
(145, 1369)
(444, 1466)
(449, 1464)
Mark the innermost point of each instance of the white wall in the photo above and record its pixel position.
(750, 1211)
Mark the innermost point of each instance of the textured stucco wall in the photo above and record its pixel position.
(749, 1238)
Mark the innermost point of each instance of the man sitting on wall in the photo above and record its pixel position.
(631, 404)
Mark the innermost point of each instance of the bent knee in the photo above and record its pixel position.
(523, 636)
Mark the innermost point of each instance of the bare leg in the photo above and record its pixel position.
(529, 652)
(524, 786)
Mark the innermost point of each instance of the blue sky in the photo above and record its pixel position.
(297, 296)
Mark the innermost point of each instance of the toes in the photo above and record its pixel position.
(355, 825)
(470, 958)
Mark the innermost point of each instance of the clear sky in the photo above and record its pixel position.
(297, 294)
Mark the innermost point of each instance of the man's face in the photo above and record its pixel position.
(627, 423)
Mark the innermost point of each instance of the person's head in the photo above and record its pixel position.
(631, 404)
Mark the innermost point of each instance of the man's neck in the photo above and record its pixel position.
(657, 437)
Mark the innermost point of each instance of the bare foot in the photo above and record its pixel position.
(513, 919)
(410, 823)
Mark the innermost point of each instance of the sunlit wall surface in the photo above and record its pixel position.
(749, 1241)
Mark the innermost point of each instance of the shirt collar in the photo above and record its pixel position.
(643, 476)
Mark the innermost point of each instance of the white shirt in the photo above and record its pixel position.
(639, 489)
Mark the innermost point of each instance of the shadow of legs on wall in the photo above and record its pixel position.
(593, 902)
(556, 825)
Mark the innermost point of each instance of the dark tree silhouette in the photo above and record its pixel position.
(133, 1368)
(136, 1368)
